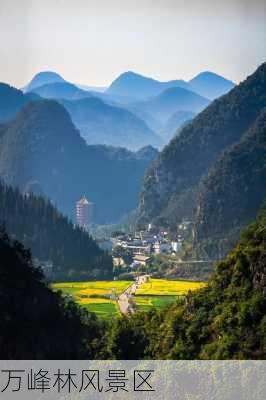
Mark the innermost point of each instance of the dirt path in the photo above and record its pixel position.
(125, 299)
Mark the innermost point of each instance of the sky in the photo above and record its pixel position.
(93, 41)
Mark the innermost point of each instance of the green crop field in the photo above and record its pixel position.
(100, 296)
(159, 293)
(144, 303)
(96, 296)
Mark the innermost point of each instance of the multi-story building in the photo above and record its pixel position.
(84, 213)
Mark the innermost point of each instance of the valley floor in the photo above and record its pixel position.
(109, 299)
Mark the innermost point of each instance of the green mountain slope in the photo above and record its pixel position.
(171, 184)
(224, 320)
(233, 191)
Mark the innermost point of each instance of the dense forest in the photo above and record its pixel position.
(232, 192)
(36, 323)
(51, 236)
(224, 320)
(171, 184)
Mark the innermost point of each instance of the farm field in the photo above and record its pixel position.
(95, 296)
(164, 287)
(145, 303)
(159, 293)
(100, 296)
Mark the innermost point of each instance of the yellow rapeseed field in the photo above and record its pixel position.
(100, 296)
(94, 295)
(92, 288)
(163, 287)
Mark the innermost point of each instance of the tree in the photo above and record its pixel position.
(36, 323)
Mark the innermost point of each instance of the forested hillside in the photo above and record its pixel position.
(233, 191)
(42, 145)
(170, 187)
(36, 323)
(224, 320)
(36, 223)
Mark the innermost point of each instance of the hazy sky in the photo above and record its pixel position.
(93, 41)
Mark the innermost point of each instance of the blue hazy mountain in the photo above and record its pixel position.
(43, 78)
(61, 90)
(148, 105)
(11, 101)
(175, 122)
(131, 84)
(171, 100)
(101, 123)
(51, 85)
(210, 85)
(97, 89)
(140, 87)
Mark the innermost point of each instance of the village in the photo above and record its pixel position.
(138, 249)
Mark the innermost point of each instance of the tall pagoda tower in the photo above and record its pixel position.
(84, 213)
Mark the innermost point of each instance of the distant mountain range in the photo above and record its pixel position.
(173, 184)
(61, 90)
(140, 87)
(206, 84)
(172, 100)
(100, 122)
(41, 145)
(152, 102)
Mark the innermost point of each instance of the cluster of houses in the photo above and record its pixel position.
(143, 244)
